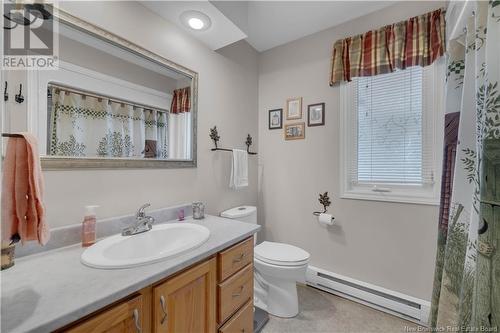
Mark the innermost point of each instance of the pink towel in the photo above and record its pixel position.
(22, 192)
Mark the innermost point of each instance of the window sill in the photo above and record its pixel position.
(391, 197)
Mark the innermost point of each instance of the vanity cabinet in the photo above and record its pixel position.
(126, 317)
(235, 288)
(215, 295)
(186, 302)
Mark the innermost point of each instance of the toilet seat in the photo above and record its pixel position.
(280, 254)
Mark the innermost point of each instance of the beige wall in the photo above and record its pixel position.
(387, 244)
(227, 98)
(105, 63)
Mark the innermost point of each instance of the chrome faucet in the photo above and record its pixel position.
(143, 222)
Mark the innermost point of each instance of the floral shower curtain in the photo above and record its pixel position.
(466, 293)
(87, 126)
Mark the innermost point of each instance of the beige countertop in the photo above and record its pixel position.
(46, 291)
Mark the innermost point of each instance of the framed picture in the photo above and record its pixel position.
(316, 114)
(275, 119)
(294, 108)
(295, 131)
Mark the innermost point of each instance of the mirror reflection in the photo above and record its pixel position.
(108, 102)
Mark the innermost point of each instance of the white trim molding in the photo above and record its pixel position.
(393, 302)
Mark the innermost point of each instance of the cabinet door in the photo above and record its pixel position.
(126, 317)
(186, 303)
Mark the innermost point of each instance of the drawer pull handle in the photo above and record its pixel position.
(239, 259)
(163, 309)
(238, 294)
(136, 321)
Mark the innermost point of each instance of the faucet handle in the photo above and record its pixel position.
(140, 211)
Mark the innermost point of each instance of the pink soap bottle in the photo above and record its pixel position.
(88, 226)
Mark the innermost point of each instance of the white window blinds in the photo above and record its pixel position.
(391, 129)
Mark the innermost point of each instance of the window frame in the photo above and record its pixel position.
(433, 122)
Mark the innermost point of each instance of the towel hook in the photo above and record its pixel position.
(20, 97)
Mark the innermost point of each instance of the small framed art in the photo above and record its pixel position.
(294, 108)
(316, 114)
(295, 131)
(275, 119)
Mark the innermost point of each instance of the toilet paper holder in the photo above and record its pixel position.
(324, 200)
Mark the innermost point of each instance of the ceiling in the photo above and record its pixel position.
(264, 24)
(271, 23)
(222, 32)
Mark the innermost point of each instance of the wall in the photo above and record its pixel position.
(227, 98)
(387, 244)
(105, 63)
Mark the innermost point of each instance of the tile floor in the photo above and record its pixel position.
(324, 312)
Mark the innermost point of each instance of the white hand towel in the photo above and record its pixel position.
(239, 169)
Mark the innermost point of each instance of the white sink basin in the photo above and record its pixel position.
(162, 242)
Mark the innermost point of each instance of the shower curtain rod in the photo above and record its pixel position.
(111, 99)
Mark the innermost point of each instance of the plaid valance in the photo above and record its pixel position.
(418, 41)
(181, 102)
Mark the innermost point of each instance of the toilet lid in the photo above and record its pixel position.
(281, 254)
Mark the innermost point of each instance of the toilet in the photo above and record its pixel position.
(278, 267)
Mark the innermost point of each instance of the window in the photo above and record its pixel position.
(390, 136)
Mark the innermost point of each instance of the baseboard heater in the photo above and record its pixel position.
(401, 305)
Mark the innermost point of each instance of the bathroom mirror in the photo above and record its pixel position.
(111, 104)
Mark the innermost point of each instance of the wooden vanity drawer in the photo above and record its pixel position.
(241, 322)
(235, 258)
(234, 292)
(118, 318)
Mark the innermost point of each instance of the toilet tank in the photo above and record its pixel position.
(241, 213)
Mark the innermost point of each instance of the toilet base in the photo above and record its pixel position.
(278, 298)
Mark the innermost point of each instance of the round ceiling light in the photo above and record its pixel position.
(195, 20)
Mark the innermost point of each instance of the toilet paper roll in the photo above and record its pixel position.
(325, 219)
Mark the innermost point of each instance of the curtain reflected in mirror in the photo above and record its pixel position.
(86, 125)
(180, 124)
